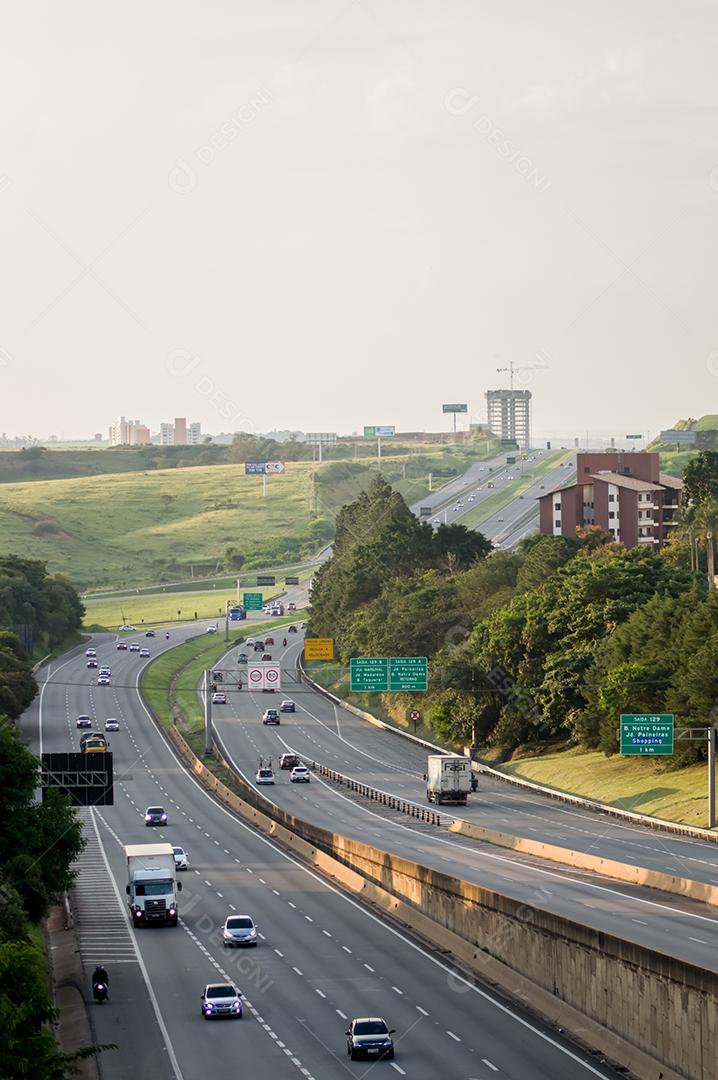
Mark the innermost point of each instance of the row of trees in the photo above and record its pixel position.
(551, 641)
(39, 842)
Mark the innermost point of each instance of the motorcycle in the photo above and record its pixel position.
(167, 635)
(284, 643)
(100, 992)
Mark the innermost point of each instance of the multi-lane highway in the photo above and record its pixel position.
(321, 959)
(458, 501)
(323, 732)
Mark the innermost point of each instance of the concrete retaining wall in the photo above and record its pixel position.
(655, 1015)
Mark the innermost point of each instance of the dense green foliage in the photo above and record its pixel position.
(550, 642)
(38, 844)
(38, 841)
(701, 478)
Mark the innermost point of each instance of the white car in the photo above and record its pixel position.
(300, 775)
(111, 724)
(291, 606)
(127, 629)
(264, 776)
(91, 652)
(221, 999)
(144, 652)
(250, 641)
(471, 498)
(239, 930)
(104, 670)
(219, 698)
(134, 646)
(103, 680)
(181, 858)
(211, 629)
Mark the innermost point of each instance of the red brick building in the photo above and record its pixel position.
(625, 494)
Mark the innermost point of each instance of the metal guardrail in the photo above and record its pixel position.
(384, 798)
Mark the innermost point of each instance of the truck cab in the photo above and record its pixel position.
(152, 884)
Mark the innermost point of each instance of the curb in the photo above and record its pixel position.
(74, 1027)
(659, 824)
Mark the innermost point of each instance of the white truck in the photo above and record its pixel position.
(448, 778)
(152, 884)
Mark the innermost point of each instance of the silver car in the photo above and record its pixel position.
(239, 930)
(221, 999)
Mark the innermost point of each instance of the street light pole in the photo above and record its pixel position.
(711, 777)
(226, 621)
(207, 716)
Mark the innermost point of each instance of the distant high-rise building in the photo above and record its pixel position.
(167, 434)
(128, 433)
(509, 415)
(194, 434)
(139, 434)
(180, 430)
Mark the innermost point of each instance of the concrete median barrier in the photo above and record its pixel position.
(581, 860)
(655, 1015)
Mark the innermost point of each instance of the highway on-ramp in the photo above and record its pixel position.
(322, 958)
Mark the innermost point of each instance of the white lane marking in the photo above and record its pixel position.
(699, 940)
(452, 1036)
(422, 1011)
(346, 949)
(368, 967)
(320, 992)
(340, 1013)
(298, 971)
(363, 912)
(327, 933)
(398, 1068)
(397, 990)
(490, 1064)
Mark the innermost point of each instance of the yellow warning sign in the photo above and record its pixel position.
(319, 648)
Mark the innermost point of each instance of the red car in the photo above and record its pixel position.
(269, 641)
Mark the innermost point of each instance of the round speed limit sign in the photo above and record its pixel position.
(415, 715)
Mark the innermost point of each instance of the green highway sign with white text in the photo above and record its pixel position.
(252, 601)
(408, 673)
(369, 673)
(378, 674)
(647, 733)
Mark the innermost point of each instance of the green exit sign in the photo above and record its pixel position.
(408, 673)
(252, 601)
(369, 674)
(647, 733)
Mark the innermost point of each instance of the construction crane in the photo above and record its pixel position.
(511, 369)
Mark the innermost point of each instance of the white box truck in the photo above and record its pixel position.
(448, 778)
(152, 884)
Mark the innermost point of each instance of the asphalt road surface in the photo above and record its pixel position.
(321, 959)
(323, 732)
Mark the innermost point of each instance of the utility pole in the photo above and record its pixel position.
(378, 451)
(207, 715)
(226, 621)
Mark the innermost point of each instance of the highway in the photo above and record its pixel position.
(324, 732)
(321, 960)
(458, 501)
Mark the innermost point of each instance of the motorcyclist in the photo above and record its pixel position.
(167, 635)
(284, 642)
(99, 975)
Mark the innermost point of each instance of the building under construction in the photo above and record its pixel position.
(509, 415)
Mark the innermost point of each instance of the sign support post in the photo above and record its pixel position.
(207, 715)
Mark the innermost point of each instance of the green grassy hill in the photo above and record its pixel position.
(128, 529)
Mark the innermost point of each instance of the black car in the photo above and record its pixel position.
(259, 646)
(149, 633)
(292, 629)
(369, 1036)
(242, 658)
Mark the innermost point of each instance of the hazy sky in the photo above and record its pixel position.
(321, 214)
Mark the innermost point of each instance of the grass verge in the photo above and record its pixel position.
(174, 676)
(162, 608)
(636, 784)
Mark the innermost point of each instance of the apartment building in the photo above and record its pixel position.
(625, 494)
(128, 433)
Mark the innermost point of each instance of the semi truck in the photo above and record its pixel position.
(152, 884)
(448, 778)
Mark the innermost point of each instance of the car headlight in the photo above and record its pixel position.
(173, 911)
(236, 1007)
(253, 932)
(208, 1006)
(164, 817)
(148, 817)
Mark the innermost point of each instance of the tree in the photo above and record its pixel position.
(457, 547)
(700, 478)
(233, 559)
